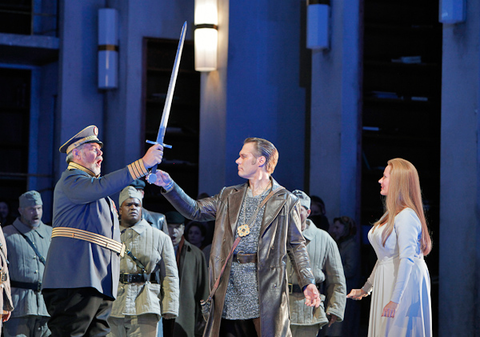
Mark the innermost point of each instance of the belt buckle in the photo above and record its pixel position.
(39, 286)
(290, 288)
(125, 278)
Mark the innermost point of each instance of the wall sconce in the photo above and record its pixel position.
(107, 48)
(318, 24)
(452, 11)
(206, 35)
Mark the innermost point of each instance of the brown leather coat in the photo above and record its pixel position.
(280, 235)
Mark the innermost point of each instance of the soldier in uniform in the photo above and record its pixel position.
(82, 269)
(193, 275)
(28, 239)
(327, 268)
(148, 273)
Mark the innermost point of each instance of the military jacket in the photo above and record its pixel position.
(81, 201)
(25, 265)
(328, 271)
(154, 250)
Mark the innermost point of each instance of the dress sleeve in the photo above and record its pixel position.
(408, 229)
(368, 286)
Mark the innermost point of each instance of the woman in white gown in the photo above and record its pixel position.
(400, 280)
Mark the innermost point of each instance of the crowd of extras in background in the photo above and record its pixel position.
(342, 229)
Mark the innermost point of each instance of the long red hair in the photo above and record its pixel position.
(404, 191)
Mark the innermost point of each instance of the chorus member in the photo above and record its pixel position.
(329, 278)
(400, 281)
(148, 273)
(28, 239)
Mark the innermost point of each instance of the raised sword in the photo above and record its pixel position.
(151, 177)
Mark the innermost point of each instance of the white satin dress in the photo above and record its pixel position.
(400, 275)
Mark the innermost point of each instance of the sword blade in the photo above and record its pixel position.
(171, 87)
(151, 178)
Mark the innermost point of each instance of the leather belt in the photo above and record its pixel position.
(138, 278)
(80, 234)
(295, 288)
(36, 286)
(245, 258)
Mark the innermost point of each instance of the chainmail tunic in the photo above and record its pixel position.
(241, 299)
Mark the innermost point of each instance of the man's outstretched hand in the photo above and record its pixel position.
(163, 179)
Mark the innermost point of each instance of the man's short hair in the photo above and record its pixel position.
(265, 148)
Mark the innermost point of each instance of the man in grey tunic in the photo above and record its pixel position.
(28, 239)
(328, 270)
(252, 294)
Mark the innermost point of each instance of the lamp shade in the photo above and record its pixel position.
(107, 48)
(318, 24)
(206, 35)
(452, 11)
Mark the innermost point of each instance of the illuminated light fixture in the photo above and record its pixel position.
(107, 48)
(206, 35)
(452, 11)
(318, 24)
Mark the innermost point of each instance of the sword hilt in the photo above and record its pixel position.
(164, 145)
(152, 177)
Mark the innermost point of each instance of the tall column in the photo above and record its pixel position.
(213, 113)
(79, 102)
(335, 114)
(263, 97)
(460, 185)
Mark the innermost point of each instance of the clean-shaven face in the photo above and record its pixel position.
(131, 212)
(304, 213)
(385, 181)
(195, 236)
(176, 232)
(247, 162)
